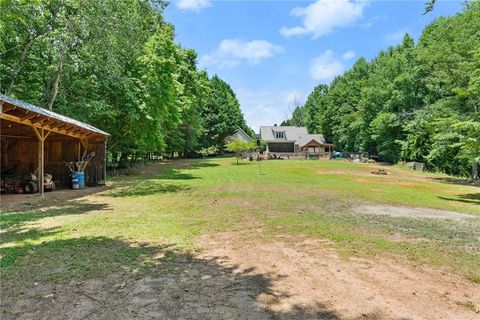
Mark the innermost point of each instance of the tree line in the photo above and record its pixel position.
(115, 65)
(411, 102)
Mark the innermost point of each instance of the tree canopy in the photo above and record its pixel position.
(115, 65)
(238, 147)
(413, 102)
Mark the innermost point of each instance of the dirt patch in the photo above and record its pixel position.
(313, 278)
(400, 211)
(396, 182)
(394, 176)
(237, 278)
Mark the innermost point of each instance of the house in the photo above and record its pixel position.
(36, 139)
(241, 135)
(294, 141)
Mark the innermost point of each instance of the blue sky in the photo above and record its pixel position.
(273, 53)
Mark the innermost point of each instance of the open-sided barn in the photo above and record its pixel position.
(37, 140)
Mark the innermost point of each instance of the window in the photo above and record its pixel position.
(279, 135)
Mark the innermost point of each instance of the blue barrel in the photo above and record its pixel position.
(78, 180)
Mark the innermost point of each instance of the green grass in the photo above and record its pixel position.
(133, 225)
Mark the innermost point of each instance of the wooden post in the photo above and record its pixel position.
(105, 162)
(84, 143)
(42, 174)
(41, 156)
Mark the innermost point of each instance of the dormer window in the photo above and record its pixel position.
(279, 134)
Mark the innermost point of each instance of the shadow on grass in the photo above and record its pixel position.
(245, 163)
(14, 219)
(150, 185)
(457, 181)
(471, 198)
(175, 174)
(195, 164)
(19, 202)
(146, 187)
(99, 277)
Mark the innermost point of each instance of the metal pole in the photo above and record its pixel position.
(259, 159)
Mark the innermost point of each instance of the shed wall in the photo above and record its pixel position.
(21, 156)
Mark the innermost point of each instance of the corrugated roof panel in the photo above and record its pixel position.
(51, 114)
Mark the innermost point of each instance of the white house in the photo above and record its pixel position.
(294, 140)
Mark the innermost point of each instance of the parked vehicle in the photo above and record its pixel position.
(25, 184)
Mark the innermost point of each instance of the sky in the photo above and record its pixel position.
(273, 53)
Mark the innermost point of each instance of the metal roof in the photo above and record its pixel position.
(240, 134)
(296, 135)
(50, 114)
(305, 139)
(291, 133)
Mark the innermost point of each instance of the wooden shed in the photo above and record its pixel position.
(33, 139)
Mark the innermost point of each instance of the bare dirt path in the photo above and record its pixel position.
(403, 211)
(312, 278)
(233, 278)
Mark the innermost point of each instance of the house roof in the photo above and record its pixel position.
(242, 133)
(47, 114)
(291, 133)
(305, 139)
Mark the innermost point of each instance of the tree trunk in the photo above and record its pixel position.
(475, 170)
(55, 82)
(20, 65)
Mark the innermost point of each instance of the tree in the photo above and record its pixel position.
(115, 64)
(315, 106)
(221, 113)
(205, 152)
(429, 5)
(413, 102)
(238, 147)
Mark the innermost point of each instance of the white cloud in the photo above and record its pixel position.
(264, 108)
(294, 97)
(230, 52)
(396, 37)
(326, 67)
(348, 55)
(194, 5)
(323, 16)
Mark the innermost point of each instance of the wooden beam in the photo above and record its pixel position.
(39, 125)
(40, 132)
(84, 143)
(39, 119)
(78, 130)
(42, 167)
(16, 137)
(50, 122)
(56, 125)
(8, 108)
(37, 132)
(28, 116)
(67, 129)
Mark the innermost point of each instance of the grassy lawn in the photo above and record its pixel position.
(145, 221)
